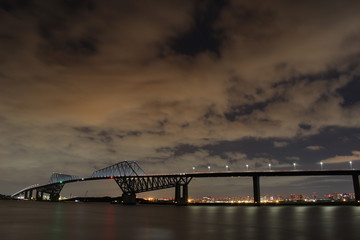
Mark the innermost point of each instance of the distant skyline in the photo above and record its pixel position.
(178, 85)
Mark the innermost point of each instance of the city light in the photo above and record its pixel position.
(278, 199)
(294, 166)
(247, 167)
(269, 166)
(321, 165)
(227, 167)
(350, 165)
(193, 168)
(209, 168)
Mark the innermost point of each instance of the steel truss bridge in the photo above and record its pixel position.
(132, 180)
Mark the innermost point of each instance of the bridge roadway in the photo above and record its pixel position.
(130, 185)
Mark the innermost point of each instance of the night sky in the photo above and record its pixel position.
(179, 84)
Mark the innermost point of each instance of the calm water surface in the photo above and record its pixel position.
(44, 220)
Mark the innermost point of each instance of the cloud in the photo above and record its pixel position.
(341, 159)
(293, 158)
(100, 82)
(314, 148)
(280, 144)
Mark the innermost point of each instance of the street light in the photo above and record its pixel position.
(227, 167)
(193, 169)
(269, 166)
(321, 164)
(351, 165)
(247, 167)
(209, 168)
(294, 166)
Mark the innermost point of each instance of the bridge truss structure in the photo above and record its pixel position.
(129, 176)
(132, 185)
(121, 169)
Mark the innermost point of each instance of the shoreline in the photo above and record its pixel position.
(140, 201)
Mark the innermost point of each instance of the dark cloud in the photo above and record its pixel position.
(305, 126)
(15, 5)
(350, 92)
(105, 137)
(74, 6)
(64, 40)
(247, 109)
(202, 36)
(133, 133)
(185, 149)
(71, 48)
(84, 129)
(247, 22)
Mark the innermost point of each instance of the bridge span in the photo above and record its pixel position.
(132, 180)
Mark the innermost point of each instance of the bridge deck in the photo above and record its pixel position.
(274, 173)
(267, 173)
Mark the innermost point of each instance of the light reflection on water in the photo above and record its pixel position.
(56, 229)
(41, 220)
(109, 224)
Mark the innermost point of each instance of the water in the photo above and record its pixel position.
(59, 221)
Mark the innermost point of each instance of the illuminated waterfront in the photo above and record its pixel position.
(292, 198)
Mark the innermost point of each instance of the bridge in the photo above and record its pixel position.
(131, 179)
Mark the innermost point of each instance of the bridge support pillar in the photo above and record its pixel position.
(356, 185)
(39, 195)
(30, 194)
(256, 190)
(26, 194)
(128, 198)
(54, 197)
(181, 193)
